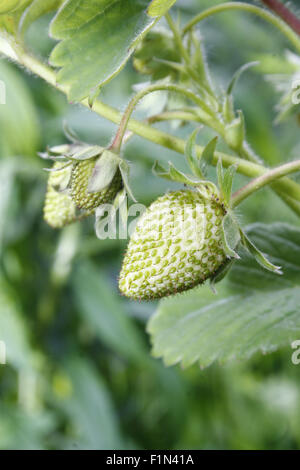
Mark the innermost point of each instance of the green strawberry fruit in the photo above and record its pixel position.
(177, 244)
(59, 209)
(81, 174)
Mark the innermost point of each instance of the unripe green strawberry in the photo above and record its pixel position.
(59, 209)
(81, 174)
(177, 244)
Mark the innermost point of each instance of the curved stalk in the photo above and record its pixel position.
(264, 180)
(116, 145)
(266, 15)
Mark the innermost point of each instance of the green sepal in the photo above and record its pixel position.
(230, 235)
(64, 182)
(228, 109)
(235, 132)
(225, 181)
(77, 152)
(62, 150)
(221, 273)
(204, 187)
(55, 170)
(70, 134)
(124, 169)
(48, 156)
(258, 255)
(86, 153)
(103, 172)
(175, 175)
(191, 155)
(208, 154)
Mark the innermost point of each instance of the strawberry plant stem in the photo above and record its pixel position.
(263, 180)
(266, 15)
(287, 189)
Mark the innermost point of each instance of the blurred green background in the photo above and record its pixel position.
(79, 372)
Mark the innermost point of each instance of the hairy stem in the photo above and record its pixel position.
(285, 14)
(180, 114)
(116, 145)
(263, 180)
(270, 17)
(287, 189)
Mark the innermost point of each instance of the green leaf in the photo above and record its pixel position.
(97, 39)
(159, 7)
(255, 310)
(172, 174)
(19, 121)
(10, 14)
(10, 6)
(37, 9)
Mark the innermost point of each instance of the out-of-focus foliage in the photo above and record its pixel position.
(79, 372)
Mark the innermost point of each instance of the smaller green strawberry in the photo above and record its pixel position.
(59, 209)
(96, 176)
(82, 197)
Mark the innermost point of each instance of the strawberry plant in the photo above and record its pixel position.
(217, 279)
